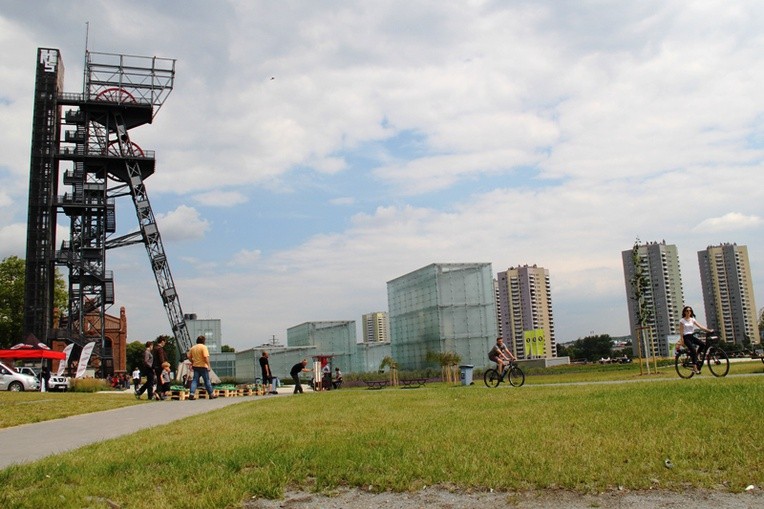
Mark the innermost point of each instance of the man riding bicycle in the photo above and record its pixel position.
(501, 355)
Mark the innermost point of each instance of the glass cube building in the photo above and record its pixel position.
(335, 338)
(443, 307)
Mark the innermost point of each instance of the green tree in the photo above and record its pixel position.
(12, 278)
(227, 349)
(171, 349)
(134, 355)
(592, 348)
(11, 301)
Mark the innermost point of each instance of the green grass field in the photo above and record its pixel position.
(587, 438)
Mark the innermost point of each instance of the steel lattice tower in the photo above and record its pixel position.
(88, 133)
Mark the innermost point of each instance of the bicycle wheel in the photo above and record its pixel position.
(718, 362)
(516, 377)
(683, 364)
(491, 378)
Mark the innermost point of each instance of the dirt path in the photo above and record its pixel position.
(444, 499)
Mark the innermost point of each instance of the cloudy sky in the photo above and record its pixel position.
(311, 151)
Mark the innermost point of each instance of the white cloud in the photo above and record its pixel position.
(245, 258)
(221, 198)
(13, 240)
(731, 221)
(182, 224)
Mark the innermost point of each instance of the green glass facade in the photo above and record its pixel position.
(439, 308)
(336, 338)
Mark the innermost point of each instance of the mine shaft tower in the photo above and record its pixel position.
(82, 141)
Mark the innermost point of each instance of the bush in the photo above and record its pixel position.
(89, 385)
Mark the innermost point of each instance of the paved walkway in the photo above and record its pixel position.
(31, 442)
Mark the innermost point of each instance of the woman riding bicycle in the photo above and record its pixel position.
(687, 327)
(500, 354)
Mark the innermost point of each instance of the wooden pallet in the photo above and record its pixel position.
(202, 393)
(179, 395)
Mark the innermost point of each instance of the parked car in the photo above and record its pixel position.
(58, 383)
(12, 380)
(27, 370)
(55, 382)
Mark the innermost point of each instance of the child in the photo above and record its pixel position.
(164, 382)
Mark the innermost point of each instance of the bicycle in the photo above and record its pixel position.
(708, 353)
(512, 372)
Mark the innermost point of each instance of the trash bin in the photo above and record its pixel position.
(466, 374)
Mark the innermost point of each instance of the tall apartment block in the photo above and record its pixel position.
(725, 277)
(525, 311)
(376, 327)
(440, 308)
(662, 295)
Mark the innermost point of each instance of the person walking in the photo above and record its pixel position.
(136, 378)
(160, 357)
(295, 374)
(199, 356)
(148, 371)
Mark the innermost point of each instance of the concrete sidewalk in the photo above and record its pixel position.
(31, 442)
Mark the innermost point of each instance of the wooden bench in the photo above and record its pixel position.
(412, 383)
(376, 384)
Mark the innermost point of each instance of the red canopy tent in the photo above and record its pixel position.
(27, 351)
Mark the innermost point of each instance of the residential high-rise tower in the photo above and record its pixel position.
(662, 297)
(376, 327)
(525, 311)
(725, 276)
